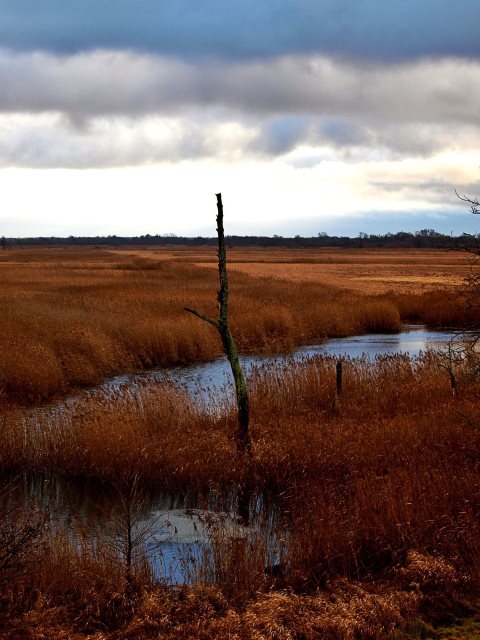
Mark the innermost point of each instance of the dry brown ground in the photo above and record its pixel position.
(387, 484)
(369, 271)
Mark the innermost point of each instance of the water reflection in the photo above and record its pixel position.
(179, 529)
(216, 376)
(178, 534)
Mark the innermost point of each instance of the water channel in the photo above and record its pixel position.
(177, 529)
(215, 376)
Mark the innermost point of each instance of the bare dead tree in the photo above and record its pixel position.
(472, 201)
(463, 348)
(131, 539)
(229, 346)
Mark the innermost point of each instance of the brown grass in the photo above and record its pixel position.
(72, 317)
(367, 271)
(379, 499)
(81, 593)
(395, 469)
(385, 491)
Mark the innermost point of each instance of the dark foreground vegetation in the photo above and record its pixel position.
(379, 501)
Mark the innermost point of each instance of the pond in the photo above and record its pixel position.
(176, 532)
(178, 535)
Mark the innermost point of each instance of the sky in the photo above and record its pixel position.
(341, 116)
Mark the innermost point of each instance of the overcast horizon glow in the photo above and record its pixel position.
(127, 117)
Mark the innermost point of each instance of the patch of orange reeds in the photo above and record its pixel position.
(395, 468)
(80, 594)
(74, 317)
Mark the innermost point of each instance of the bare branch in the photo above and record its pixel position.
(473, 202)
(202, 317)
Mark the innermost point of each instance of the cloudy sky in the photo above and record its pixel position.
(127, 116)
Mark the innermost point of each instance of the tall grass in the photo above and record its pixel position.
(386, 488)
(74, 317)
(436, 309)
(78, 594)
(396, 468)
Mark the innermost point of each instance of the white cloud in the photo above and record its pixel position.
(126, 83)
(103, 108)
(293, 138)
(50, 140)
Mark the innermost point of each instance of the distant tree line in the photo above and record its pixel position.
(425, 238)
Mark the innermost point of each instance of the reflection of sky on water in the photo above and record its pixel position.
(217, 376)
(411, 341)
(173, 535)
(177, 543)
(177, 535)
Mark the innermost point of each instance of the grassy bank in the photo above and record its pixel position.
(396, 468)
(74, 317)
(381, 500)
(379, 497)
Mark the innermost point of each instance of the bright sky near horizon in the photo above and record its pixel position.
(126, 116)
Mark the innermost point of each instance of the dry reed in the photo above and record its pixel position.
(84, 601)
(395, 469)
(74, 317)
(387, 487)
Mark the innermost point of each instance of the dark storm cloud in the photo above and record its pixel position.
(105, 83)
(390, 30)
(282, 134)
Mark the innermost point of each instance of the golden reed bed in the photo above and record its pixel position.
(367, 271)
(380, 499)
(72, 317)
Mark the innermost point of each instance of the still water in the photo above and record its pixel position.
(177, 531)
(216, 375)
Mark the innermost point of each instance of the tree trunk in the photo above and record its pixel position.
(229, 346)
